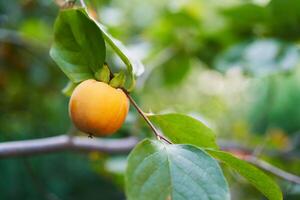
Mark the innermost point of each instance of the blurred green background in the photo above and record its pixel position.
(234, 64)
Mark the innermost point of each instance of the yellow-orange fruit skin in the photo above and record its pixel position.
(97, 108)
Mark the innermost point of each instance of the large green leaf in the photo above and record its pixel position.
(78, 47)
(134, 66)
(157, 171)
(255, 176)
(183, 129)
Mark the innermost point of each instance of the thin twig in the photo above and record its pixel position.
(232, 145)
(154, 130)
(165, 139)
(143, 115)
(274, 170)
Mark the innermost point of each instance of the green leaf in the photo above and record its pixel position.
(184, 129)
(157, 171)
(134, 66)
(78, 47)
(255, 176)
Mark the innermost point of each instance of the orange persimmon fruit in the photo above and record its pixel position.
(97, 108)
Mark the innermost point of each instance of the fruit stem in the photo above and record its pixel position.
(154, 130)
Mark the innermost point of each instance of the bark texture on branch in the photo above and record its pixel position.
(64, 143)
(112, 146)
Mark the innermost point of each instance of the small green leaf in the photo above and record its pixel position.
(255, 176)
(118, 80)
(68, 89)
(157, 171)
(78, 47)
(183, 129)
(103, 74)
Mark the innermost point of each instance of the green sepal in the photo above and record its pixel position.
(103, 74)
(118, 81)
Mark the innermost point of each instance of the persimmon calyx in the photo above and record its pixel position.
(103, 74)
(118, 81)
